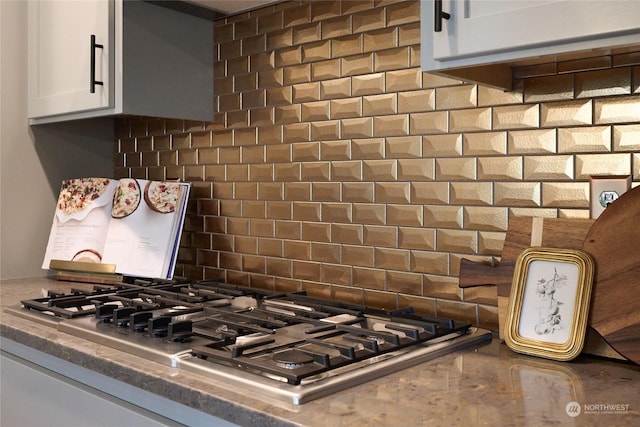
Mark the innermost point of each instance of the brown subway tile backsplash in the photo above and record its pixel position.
(334, 165)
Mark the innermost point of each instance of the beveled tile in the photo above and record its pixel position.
(488, 96)
(296, 74)
(291, 230)
(500, 168)
(616, 110)
(270, 78)
(278, 153)
(237, 173)
(368, 20)
(346, 108)
(326, 70)
(368, 84)
(369, 213)
(456, 169)
(308, 33)
(409, 34)
(254, 44)
(335, 26)
(516, 117)
(262, 227)
(297, 249)
(370, 278)
(403, 13)
(335, 273)
(315, 171)
(384, 38)
(431, 122)
(278, 267)
(308, 151)
(584, 64)
(626, 138)
(565, 195)
(434, 80)
(279, 210)
(316, 231)
(430, 192)
(392, 59)
(325, 130)
(259, 172)
(244, 82)
(416, 238)
(296, 132)
(404, 282)
(358, 192)
(347, 233)
(393, 125)
(288, 56)
(476, 119)
(584, 139)
(338, 88)
(454, 97)
(404, 80)
(392, 192)
(549, 88)
(442, 145)
(223, 190)
(357, 128)
(461, 241)
(246, 190)
(416, 169)
(379, 170)
(299, 15)
(286, 172)
(368, 148)
(536, 141)
(379, 235)
(566, 113)
(306, 211)
(517, 194)
(297, 191)
(346, 45)
(610, 82)
(416, 101)
(429, 262)
(346, 170)
(484, 143)
(326, 191)
(270, 190)
(335, 150)
(376, 105)
(405, 215)
(486, 218)
(306, 270)
(358, 256)
(305, 92)
(471, 193)
(394, 259)
(443, 216)
(279, 96)
(548, 168)
(602, 164)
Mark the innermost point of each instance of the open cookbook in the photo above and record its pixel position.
(133, 224)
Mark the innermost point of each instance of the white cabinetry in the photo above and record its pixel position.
(95, 58)
(481, 32)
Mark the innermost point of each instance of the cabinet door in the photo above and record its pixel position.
(62, 60)
(523, 28)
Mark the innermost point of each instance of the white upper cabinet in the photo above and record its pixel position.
(97, 58)
(481, 32)
(62, 60)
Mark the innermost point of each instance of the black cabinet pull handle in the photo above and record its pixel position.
(439, 15)
(94, 46)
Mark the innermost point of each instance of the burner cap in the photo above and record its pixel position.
(292, 359)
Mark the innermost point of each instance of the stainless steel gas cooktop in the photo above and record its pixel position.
(287, 346)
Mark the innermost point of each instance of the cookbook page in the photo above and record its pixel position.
(143, 227)
(81, 220)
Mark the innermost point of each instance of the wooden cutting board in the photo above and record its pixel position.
(522, 233)
(614, 243)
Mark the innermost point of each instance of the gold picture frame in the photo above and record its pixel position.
(549, 302)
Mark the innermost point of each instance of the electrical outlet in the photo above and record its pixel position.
(606, 190)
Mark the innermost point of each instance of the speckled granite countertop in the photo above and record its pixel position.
(489, 385)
